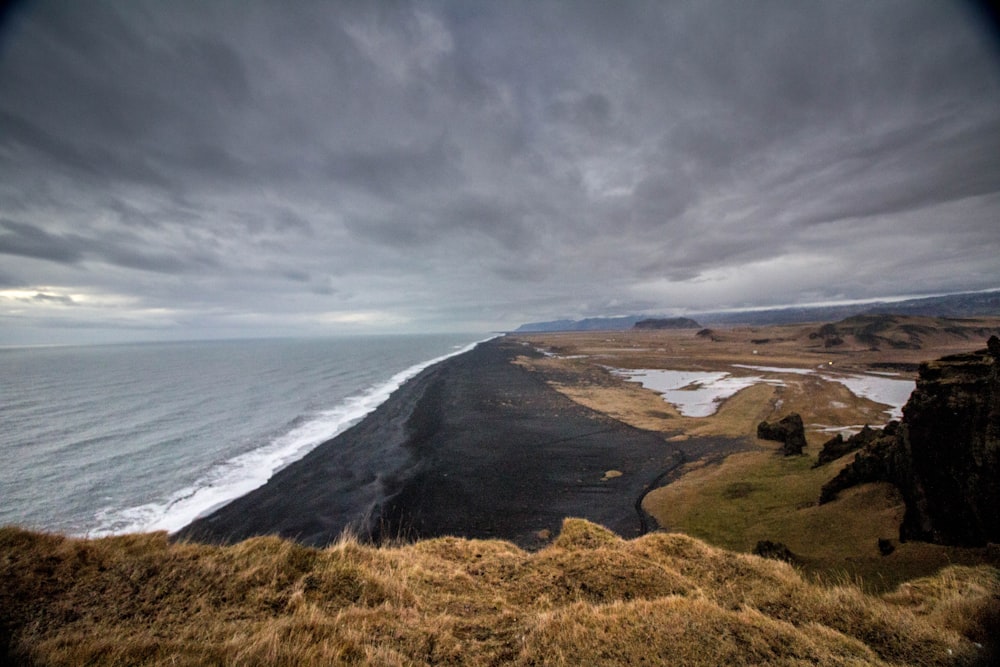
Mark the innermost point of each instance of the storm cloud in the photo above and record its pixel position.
(192, 169)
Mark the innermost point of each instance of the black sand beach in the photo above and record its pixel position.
(475, 447)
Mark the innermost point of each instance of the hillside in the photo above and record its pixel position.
(588, 598)
(881, 330)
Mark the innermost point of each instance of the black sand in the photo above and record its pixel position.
(474, 446)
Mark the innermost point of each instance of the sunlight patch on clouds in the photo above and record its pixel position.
(362, 318)
(81, 307)
(45, 296)
(40, 295)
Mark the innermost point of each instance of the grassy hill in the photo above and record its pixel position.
(588, 598)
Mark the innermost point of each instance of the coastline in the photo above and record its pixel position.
(473, 446)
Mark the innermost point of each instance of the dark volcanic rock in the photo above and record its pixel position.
(878, 461)
(885, 546)
(952, 436)
(945, 455)
(789, 431)
(774, 551)
(667, 323)
(833, 449)
(836, 446)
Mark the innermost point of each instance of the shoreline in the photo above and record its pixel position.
(473, 446)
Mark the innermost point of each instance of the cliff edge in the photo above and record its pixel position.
(945, 455)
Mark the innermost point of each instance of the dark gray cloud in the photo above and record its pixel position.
(28, 241)
(121, 248)
(243, 167)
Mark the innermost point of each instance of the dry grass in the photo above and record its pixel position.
(588, 598)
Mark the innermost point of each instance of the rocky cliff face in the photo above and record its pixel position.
(789, 431)
(836, 446)
(945, 455)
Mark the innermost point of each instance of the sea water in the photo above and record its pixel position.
(109, 439)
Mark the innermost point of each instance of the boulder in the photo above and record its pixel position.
(774, 551)
(789, 431)
(885, 546)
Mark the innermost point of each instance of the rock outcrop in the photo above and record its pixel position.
(836, 447)
(945, 455)
(774, 551)
(880, 460)
(789, 431)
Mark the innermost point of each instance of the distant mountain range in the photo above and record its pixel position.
(970, 304)
(589, 324)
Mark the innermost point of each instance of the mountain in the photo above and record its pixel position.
(968, 304)
(589, 324)
(900, 332)
(975, 304)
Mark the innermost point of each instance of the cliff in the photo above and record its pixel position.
(945, 455)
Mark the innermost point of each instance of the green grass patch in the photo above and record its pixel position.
(722, 503)
(760, 495)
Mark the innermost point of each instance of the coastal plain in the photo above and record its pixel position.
(400, 565)
(750, 493)
(507, 440)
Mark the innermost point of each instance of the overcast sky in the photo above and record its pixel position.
(204, 169)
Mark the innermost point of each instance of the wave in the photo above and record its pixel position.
(241, 474)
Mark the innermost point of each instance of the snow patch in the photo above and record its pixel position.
(693, 393)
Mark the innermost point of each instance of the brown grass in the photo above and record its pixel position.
(588, 598)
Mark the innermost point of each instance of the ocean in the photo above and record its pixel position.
(109, 439)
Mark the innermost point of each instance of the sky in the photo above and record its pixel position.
(183, 170)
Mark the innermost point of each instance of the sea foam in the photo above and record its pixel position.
(241, 474)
